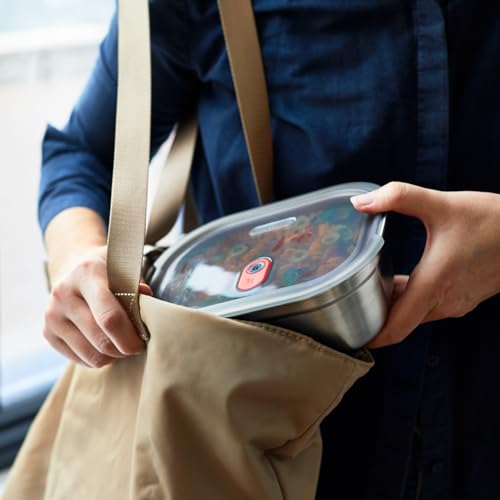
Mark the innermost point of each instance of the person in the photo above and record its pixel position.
(403, 94)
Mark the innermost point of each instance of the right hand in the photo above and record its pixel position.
(84, 321)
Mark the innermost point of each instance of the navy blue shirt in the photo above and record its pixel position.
(360, 90)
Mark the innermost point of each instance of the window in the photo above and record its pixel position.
(47, 48)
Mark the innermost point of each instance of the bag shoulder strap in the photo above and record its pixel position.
(129, 192)
(131, 158)
(245, 60)
(173, 182)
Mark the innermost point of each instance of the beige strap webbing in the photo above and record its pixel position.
(132, 143)
(172, 185)
(245, 59)
(131, 158)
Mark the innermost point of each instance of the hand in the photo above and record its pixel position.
(84, 321)
(460, 266)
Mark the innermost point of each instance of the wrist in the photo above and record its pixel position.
(58, 267)
(70, 236)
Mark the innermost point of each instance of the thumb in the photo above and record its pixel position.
(406, 199)
(411, 307)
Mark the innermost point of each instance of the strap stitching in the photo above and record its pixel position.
(139, 328)
(130, 304)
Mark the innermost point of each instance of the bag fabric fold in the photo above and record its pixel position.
(217, 409)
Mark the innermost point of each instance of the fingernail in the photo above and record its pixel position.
(363, 200)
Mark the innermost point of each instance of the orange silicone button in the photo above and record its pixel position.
(254, 274)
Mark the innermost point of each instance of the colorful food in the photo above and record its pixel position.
(312, 245)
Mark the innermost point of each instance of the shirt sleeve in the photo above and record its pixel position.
(77, 160)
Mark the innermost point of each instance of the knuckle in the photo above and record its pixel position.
(97, 360)
(61, 291)
(88, 268)
(85, 266)
(105, 346)
(111, 320)
(397, 191)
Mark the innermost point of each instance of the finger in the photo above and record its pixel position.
(409, 310)
(80, 315)
(111, 317)
(400, 283)
(145, 289)
(406, 199)
(80, 346)
(62, 348)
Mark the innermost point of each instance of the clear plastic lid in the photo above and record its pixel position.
(270, 255)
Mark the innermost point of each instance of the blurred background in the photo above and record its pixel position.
(47, 48)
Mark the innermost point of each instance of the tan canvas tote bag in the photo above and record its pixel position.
(217, 408)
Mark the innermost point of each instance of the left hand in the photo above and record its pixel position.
(460, 266)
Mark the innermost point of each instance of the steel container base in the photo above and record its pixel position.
(346, 317)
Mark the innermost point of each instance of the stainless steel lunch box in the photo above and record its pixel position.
(311, 263)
